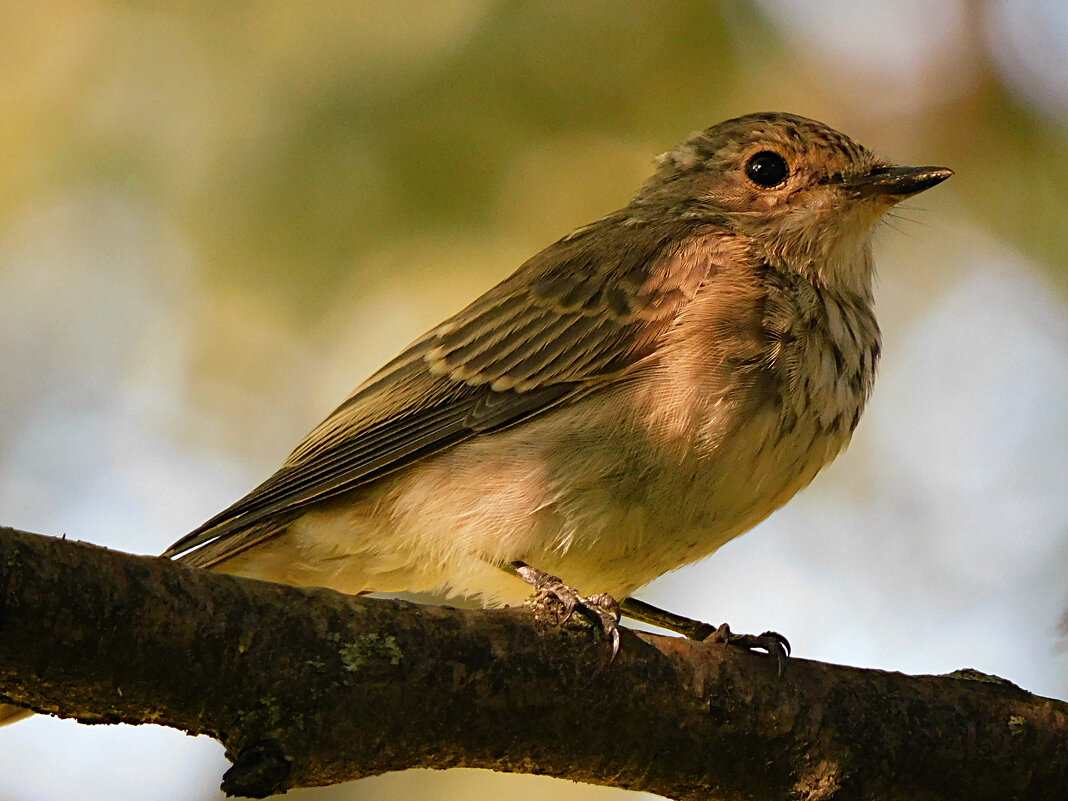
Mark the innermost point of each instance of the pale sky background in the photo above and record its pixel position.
(215, 223)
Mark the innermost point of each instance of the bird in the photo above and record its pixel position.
(640, 392)
(634, 396)
(637, 394)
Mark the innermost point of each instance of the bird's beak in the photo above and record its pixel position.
(895, 183)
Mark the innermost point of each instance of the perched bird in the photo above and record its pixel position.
(631, 398)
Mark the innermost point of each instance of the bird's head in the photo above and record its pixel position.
(805, 195)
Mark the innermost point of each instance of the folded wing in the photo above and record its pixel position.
(566, 323)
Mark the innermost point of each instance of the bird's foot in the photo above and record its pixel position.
(775, 644)
(602, 609)
(771, 641)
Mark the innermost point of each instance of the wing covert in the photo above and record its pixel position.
(566, 322)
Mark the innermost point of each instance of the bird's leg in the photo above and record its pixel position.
(655, 616)
(601, 608)
(774, 643)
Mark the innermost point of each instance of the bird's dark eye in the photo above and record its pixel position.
(767, 169)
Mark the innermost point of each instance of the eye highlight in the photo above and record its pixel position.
(767, 169)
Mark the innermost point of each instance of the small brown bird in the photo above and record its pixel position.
(634, 396)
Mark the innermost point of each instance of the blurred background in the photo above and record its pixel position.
(216, 219)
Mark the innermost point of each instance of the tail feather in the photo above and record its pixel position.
(218, 550)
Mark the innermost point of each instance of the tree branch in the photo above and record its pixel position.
(308, 687)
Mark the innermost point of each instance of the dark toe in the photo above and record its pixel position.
(772, 642)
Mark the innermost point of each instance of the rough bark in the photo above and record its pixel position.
(308, 687)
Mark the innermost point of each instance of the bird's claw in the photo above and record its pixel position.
(775, 644)
(601, 609)
(771, 641)
(605, 609)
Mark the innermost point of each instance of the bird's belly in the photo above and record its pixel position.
(687, 511)
(604, 515)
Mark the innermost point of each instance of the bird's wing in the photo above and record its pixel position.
(565, 323)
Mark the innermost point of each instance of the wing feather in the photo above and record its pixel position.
(567, 322)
